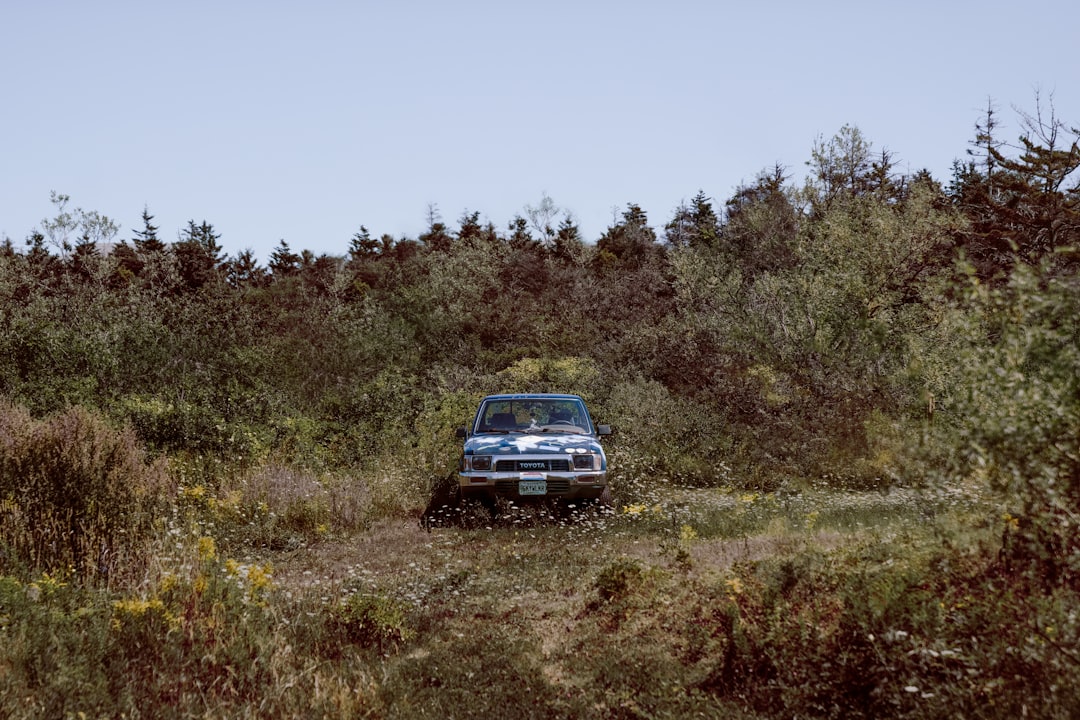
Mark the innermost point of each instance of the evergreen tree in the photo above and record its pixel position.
(244, 271)
(629, 243)
(1024, 207)
(695, 225)
(437, 237)
(198, 254)
(1041, 186)
(520, 238)
(283, 261)
(146, 240)
(986, 145)
(362, 246)
(569, 245)
(469, 228)
(128, 263)
(319, 272)
(760, 226)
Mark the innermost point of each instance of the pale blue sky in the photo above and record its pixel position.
(301, 121)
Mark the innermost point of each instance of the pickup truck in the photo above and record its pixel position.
(533, 446)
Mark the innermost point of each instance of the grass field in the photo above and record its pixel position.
(672, 603)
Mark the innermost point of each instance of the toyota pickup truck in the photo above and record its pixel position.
(533, 446)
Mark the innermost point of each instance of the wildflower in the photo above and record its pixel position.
(168, 582)
(259, 577)
(196, 493)
(207, 550)
(46, 586)
(134, 610)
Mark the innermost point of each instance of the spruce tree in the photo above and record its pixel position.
(146, 240)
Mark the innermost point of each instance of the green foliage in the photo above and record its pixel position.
(619, 579)
(808, 339)
(1017, 413)
(889, 629)
(665, 436)
(189, 427)
(75, 493)
(56, 642)
(482, 674)
(437, 449)
(373, 621)
(579, 375)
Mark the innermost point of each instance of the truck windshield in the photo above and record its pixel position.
(533, 415)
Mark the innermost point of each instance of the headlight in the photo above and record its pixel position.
(584, 462)
(481, 462)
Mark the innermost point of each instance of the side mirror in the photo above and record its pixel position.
(461, 433)
(603, 429)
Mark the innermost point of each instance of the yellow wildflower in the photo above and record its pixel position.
(207, 549)
(259, 577)
(195, 492)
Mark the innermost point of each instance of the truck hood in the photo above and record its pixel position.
(518, 444)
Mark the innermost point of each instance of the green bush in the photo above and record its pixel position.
(619, 579)
(662, 436)
(374, 621)
(1017, 414)
(54, 651)
(187, 427)
(75, 493)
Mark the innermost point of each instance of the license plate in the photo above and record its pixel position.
(532, 487)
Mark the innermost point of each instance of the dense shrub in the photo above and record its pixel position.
(76, 493)
(1017, 409)
(865, 632)
(374, 621)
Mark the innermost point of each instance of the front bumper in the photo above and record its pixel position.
(527, 485)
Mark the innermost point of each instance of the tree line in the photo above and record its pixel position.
(793, 330)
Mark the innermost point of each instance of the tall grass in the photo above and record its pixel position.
(76, 494)
(277, 592)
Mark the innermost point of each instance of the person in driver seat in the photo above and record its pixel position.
(560, 416)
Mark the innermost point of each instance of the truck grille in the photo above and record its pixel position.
(552, 465)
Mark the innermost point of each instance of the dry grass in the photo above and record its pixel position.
(673, 603)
